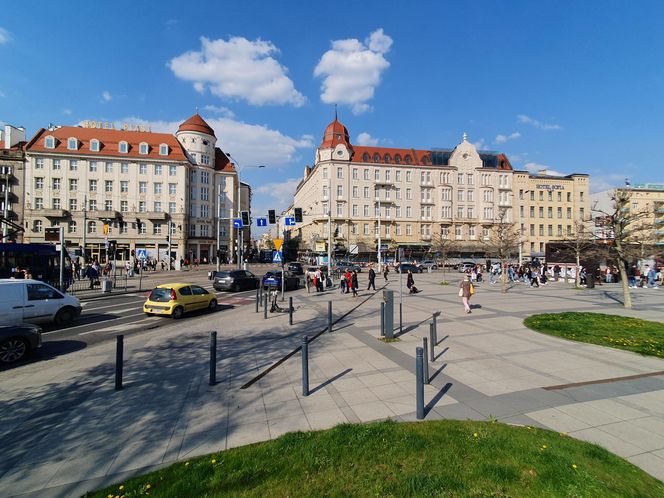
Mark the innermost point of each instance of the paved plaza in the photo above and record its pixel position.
(67, 431)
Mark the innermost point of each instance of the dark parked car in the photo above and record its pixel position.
(342, 266)
(295, 268)
(273, 277)
(235, 280)
(18, 340)
(404, 267)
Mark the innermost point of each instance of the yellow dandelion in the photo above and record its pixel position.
(544, 446)
(574, 466)
(474, 434)
(213, 461)
(148, 486)
(186, 464)
(121, 487)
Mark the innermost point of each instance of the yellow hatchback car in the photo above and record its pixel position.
(177, 299)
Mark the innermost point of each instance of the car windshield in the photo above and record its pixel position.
(160, 295)
(223, 274)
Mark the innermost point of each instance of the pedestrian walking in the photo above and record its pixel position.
(466, 290)
(386, 272)
(354, 284)
(410, 283)
(342, 283)
(372, 279)
(349, 281)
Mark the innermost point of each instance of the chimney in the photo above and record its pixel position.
(13, 136)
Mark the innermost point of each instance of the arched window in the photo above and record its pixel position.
(397, 159)
(123, 147)
(49, 142)
(376, 157)
(408, 159)
(425, 160)
(72, 144)
(365, 157)
(94, 145)
(143, 148)
(92, 227)
(387, 159)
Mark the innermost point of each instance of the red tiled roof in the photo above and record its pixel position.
(221, 161)
(417, 157)
(198, 124)
(109, 143)
(335, 134)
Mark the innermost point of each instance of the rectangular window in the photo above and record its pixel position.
(108, 205)
(560, 230)
(73, 165)
(398, 193)
(355, 192)
(388, 175)
(355, 210)
(39, 203)
(355, 174)
(124, 168)
(205, 177)
(532, 211)
(549, 196)
(549, 212)
(143, 169)
(457, 232)
(409, 212)
(397, 211)
(73, 204)
(205, 193)
(156, 187)
(340, 173)
(366, 211)
(560, 211)
(142, 187)
(172, 188)
(39, 163)
(460, 178)
(569, 213)
(569, 230)
(124, 186)
(57, 164)
(157, 207)
(171, 207)
(39, 183)
(56, 203)
(409, 176)
(366, 229)
(124, 206)
(532, 230)
(550, 230)
(485, 233)
(569, 196)
(204, 211)
(108, 186)
(471, 196)
(142, 207)
(409, 229)
(541, 230)
(398, 176)
(582, 212)
(340, 208)
(340, 191)
(409, 194)
(92, 186)
(460, 195)
(541, 212)
(71, 227)
(366, 173)
(172, 170)
(108, 167)
(471, 212)
(397, 230)
(559, 196)
(459, 212)
(366, 192)
(158, 169)
(471, 231)
(532, 195)
(376, 174)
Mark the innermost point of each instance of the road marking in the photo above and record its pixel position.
(67, 329)
(107, 306)
(120, 329)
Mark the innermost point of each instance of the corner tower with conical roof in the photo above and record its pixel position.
(336, 143)
(198, 140)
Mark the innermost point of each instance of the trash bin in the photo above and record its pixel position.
(107, 285)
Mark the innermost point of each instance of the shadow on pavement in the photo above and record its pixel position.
(48, 351)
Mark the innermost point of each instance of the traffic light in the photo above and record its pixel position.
(336, 232)
(112, 245)
(298, 215)
(245, 218)
(271, 216)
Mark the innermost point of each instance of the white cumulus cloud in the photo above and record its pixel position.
(5, 36)
(250, 144)
(480, 144)
(106, 96)
(536, 168)
(365, 139)
(522, 118)
(351, 70)
(219, 109)
(238, 68)
(501, 139)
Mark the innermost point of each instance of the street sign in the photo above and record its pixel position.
(353, 249)
(290, 221)
(141, 253)
(261, 222)
(277, 243)
(277, 257)
(383, 247)
(238, 223)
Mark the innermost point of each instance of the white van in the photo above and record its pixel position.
(35, 302)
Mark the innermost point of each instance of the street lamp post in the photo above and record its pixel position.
(218, 225)
(380, 240)
(521, 231)
(329, 229)
(85, 226)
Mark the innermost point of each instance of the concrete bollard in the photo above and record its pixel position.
(257, 299)
(305, 366)
(119, 361)
(329, 316)
(431, 338)
(425, 372)
(213, 358)
(419, 383)
(290, 310)
(382, 319)
(264, 307)
(435, 326)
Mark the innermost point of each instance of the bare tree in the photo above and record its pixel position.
(503, 244)
(582, 244)
(629, 230)
(443, 245)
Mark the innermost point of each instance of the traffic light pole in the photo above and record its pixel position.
(218, 228)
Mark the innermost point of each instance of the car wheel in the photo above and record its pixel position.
(213, 305)
(13, 349)
(64, 316)
(235, 287)
(177, 313)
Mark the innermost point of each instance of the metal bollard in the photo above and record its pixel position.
(431, 339)
(260, 296)
(382, 319)
(290, 310)
(305, 365)
(435, 326)
(257, 294)
(213, 358)
(419, 384)
(400, 318)
(265, 307)
(425, 372)
(119, 360)
(329, 316)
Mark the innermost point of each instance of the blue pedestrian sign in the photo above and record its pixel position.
(238, 223)
(290, 221)
(261, 222)
(277, 257)
(141, 253)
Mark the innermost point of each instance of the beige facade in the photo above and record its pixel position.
(549, 208)
(132, 187)
(410, 198)
(12, 143)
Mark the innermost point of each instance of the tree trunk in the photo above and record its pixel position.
(577, 277)
(627, 297)
(503, 277)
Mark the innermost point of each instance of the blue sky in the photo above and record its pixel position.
(571, 86)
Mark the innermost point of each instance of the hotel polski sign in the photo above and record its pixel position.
(109, 125)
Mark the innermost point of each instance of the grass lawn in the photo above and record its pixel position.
(438, 458)
(632, 334)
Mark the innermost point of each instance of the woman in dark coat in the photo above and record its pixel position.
(354, 283)
(410, 282)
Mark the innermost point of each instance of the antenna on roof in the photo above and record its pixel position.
(335, 112)
(196, 109)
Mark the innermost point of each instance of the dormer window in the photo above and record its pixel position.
(365, 157)
(94, 145)
(49, 142)
(143, 148)
(397, 159)
(123, 147)
(163, 150)
(408, 159)
(387, 159)
(376, 157)
(72, 144)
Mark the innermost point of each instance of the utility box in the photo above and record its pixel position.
(388, 299)
(107, 285)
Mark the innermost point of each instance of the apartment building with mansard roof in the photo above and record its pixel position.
(131, 185)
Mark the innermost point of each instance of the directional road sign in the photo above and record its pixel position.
(277, 257)
(261, 222)
(237, 223)
(141, 253)
(290, 221)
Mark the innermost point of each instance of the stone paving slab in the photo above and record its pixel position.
(487, 364)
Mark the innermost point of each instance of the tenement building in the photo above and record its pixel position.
(415, 198)
(12, 145)
(133, 189)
